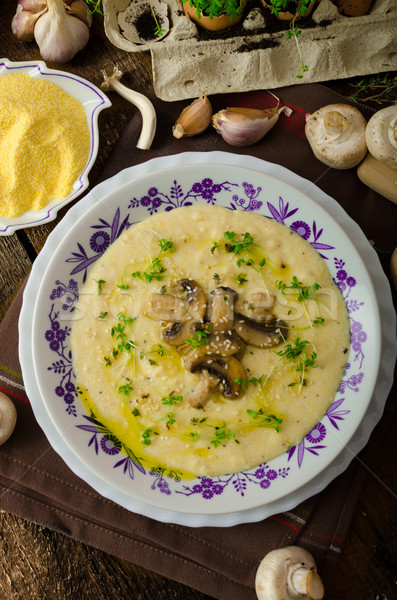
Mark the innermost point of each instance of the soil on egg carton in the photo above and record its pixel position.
(145, 28)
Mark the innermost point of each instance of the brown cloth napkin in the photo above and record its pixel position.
(36, 484)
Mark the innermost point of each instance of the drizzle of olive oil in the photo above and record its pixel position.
(129, 433)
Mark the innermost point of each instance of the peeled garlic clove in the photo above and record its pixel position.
(245, 126)
(381, 135)
(24, 20)
(194, 119)
(336, 134)
(59, 35)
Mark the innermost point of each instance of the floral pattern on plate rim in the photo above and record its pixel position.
(103, 441)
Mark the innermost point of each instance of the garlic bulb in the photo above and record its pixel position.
(381, 135)
(61, 28)
(336, 134)
(194, 119)
(245, 126)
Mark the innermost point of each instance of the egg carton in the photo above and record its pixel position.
(185, 67)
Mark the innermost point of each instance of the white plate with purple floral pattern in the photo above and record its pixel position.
(93, 101)
(237, 182)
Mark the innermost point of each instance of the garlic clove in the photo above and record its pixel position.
(24, 20)
(33, 6)
(245, 126)
(59, 35)
(78, 9)
(23, 23)
(194, 119)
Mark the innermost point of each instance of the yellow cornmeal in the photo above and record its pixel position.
(44, 143)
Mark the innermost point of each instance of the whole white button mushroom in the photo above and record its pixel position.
(336, 134)
(288, 573)
(381, 135)
(8, 418)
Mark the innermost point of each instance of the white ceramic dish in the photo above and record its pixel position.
(83, 235)
(93, 101)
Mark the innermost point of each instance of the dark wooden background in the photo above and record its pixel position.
(36, 563)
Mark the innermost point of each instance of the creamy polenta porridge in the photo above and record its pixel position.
(209, 340)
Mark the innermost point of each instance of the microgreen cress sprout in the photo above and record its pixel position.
(305, 292)
(99, 283)
(221, 434)
(94, 6)
(156, 268)
(262, 420)
(171, 399)
(301, 8)
(200, 338)
(158, 30)
(216, 8)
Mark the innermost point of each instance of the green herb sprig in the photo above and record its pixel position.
(297, 353)
(127, 388)
(200, 338)
(156, 268)
(233, 244)
(99, 283)
(172, 399)
(260, 419)
(305, 292)
(221, 434)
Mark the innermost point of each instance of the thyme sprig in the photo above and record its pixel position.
(380, 88)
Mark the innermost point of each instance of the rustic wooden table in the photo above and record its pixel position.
(37, 563)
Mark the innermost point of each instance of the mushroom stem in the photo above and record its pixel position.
(146, 108)
(306, 582)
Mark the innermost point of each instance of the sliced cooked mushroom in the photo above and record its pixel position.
(228, 370)
(168, 308)
(222, 343)
(222, 310)
(260, 305)
(264, 333)
(206, 385)
(195, 298)
(176, 333)
(175, 308)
